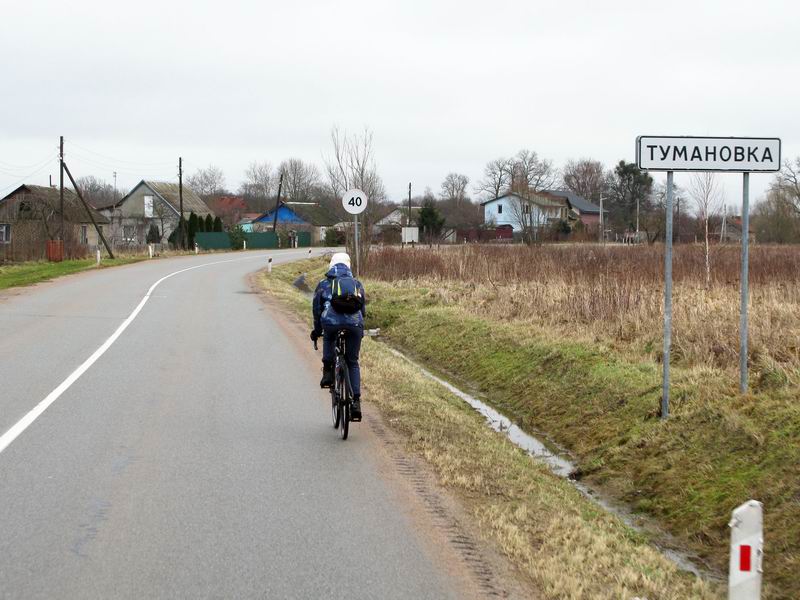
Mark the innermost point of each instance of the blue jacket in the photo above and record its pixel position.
(324, 314)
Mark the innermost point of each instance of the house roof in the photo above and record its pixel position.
(309, 212)
(582, 205)
(74, 211)
(397, 215)
(535, 199)
(170, 193)
(226, 203)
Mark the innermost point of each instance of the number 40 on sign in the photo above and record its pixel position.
(354, 201)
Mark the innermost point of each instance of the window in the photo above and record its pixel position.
(526, 209)
(129, 233)
(148, 207)
(499, 209)
(84, 236)
(5, 233)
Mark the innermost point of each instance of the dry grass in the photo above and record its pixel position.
(614, 295)
(563, 542)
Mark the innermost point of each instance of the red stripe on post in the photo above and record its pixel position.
(745, 553)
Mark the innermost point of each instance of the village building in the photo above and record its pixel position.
(31, 215)
(151, 202)
(536, 210)
(296, 217)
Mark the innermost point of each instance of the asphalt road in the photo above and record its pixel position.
(193, 459)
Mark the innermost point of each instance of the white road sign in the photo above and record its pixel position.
(354, 201)
(739, 155)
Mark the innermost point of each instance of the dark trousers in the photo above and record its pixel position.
(352, 346)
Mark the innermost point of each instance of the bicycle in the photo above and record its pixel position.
(341, 391)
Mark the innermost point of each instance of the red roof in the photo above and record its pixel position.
(227, 203)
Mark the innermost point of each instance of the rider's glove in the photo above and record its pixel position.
(314, 336)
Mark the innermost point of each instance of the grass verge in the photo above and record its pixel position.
(29, 273)
(563, 542)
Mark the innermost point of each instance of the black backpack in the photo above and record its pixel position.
(346, 297)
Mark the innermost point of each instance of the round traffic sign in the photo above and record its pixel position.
(354, 201)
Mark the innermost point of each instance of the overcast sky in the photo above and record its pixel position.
(445, 86)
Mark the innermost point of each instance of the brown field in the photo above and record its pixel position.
(614, 295)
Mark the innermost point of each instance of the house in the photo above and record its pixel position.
(730, 230)
(298, 216)
(151, 202)
(399, 218)
(230, 209)
(516, 211)
(579, 208)
(31, 215)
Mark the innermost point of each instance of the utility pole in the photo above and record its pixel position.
(602, 222)
(181, 235)
(408, 219)
(61, 186)
(277, 206)
(115, 187)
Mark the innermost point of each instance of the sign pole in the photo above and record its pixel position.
(745, 283)
(667, 299)
(357, 253)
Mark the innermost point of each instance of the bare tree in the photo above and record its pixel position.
(586, 178)
(454, 188)
(496, 178)
(706, 193)
(787, 181)
(528, 216)
(208, 181)
(353, 166)
(299, 179)
(259, 181)
(531, 174)
(97, 192)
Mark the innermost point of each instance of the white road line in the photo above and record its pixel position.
(26, 421)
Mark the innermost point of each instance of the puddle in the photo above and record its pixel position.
(564, 468)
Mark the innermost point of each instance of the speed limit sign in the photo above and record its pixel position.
(354, 201)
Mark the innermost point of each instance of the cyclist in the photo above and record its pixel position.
(341, 289)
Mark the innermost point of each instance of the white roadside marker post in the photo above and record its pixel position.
(269, 265)
(747, 552)
(150, 250)
(244, 244)
(98, 256)
(196, 250)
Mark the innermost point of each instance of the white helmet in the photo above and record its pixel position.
(340, 258)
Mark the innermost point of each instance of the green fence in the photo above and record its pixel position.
(213, 240)
(303, 239)
(255, 241)
(265, 239)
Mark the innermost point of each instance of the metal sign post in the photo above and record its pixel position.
(355, 202)
(667, 301)
(726, 154)
(745, 282)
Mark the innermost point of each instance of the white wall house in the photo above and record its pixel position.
(511, 209)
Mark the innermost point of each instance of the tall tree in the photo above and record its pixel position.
(454, 188)
(208, 181)
(531, 174)
(259, 183)
(629, 195)
(586, 178)
(496, 178)
(787, 181)
(97, 192)
(353, 165)
(299, 180)
(430, 221)
(775, 219)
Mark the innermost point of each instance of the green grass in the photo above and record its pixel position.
(29, 273)
(717, 450)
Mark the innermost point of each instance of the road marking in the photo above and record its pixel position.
(26, 421)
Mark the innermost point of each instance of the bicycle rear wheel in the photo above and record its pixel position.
(344, 401)
(335, 407)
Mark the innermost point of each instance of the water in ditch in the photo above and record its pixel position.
(561, 467)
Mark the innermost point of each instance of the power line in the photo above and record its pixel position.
(121, 160)
(28, 176)
(16, 171)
